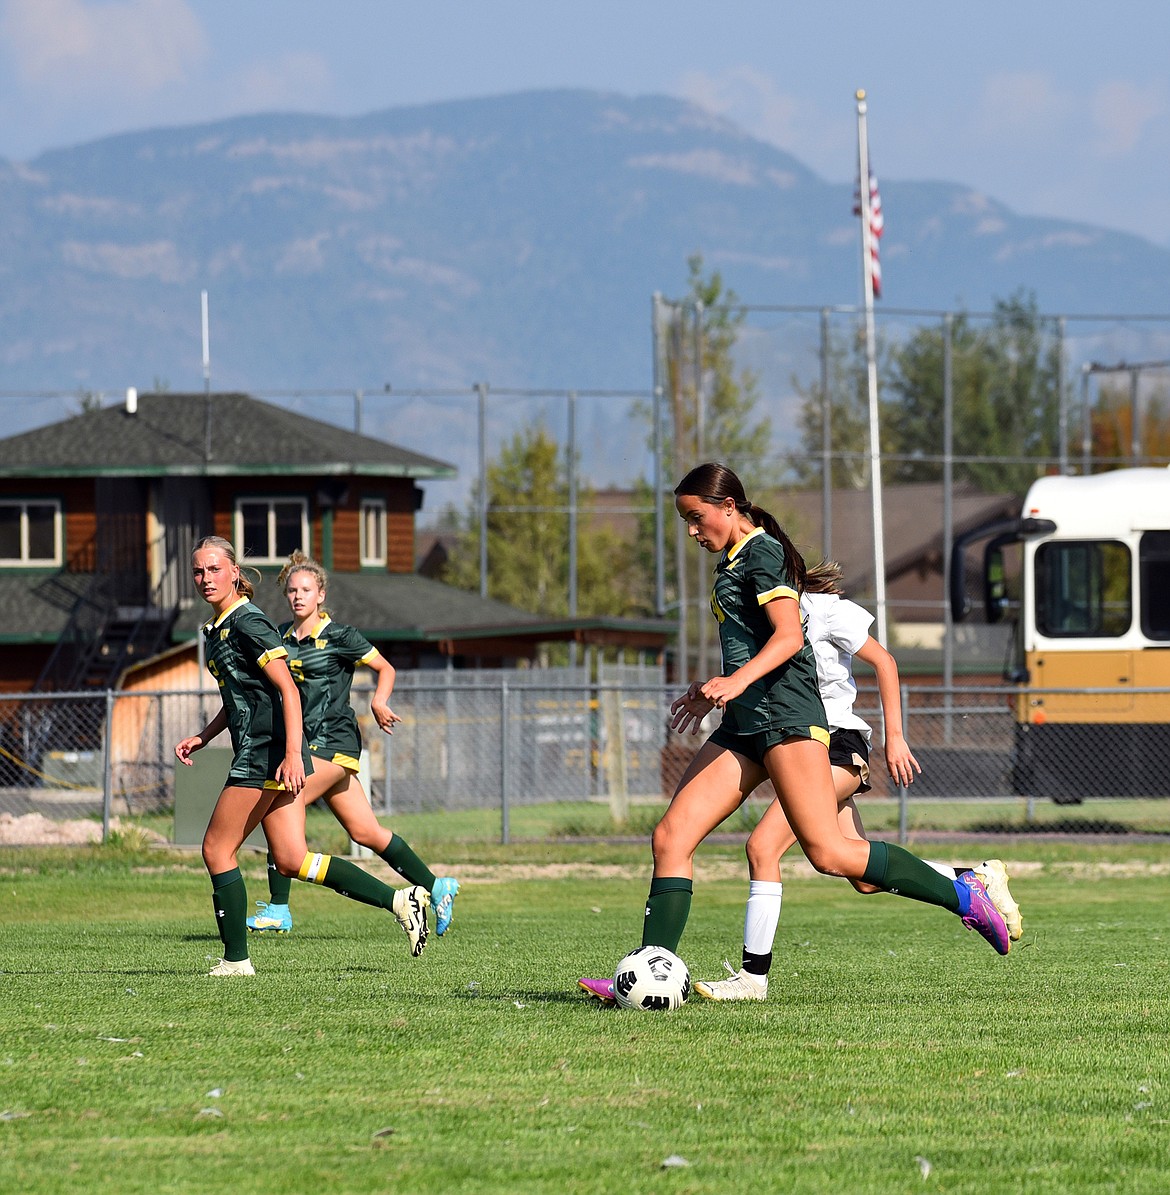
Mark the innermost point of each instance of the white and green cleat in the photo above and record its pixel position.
(994, 876)
(410, 910)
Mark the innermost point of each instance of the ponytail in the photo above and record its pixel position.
(715, 483)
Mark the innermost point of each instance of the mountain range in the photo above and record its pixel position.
(514, 240)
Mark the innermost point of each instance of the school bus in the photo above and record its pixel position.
(1084, 572)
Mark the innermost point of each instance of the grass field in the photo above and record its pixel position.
(896, 1051)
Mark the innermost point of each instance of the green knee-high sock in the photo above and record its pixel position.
(278, 886)
(346, 878)
(896, 870)
(229, 897)
(408, 865)
(667, 908)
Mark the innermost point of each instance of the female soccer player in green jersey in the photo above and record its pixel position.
(774, 728)
(262, 711)
(838, 632)
(322, 658)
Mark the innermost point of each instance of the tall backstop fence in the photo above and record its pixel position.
(549, 754)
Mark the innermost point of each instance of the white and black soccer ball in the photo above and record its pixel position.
(651, 978)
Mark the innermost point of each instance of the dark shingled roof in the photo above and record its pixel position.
(167, 436)
(411, 608)
(384, 606)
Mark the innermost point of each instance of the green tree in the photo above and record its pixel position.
(1006, 399)
(1006, 403)
(528, 536)
(710, 412)
(848, 409)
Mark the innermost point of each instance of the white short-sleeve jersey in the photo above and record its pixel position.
(837, 629)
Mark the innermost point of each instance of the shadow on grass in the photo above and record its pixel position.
(1064, 825)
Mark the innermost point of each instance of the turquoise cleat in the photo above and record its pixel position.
(442, 901)
(270, 919)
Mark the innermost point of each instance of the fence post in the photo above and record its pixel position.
(505, 830)
(107, 767)
(903, 791)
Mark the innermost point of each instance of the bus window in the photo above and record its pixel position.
(1083, 589)
(1154, 571)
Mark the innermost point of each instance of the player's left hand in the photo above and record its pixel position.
(689, 710)
(900, 763)
(385, 717)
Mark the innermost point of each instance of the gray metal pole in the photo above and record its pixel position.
(481, 392)
(358, 402)
(948, 513)
(1086, 421)
(505, 772)
(108, 766)
(659, 516)
(1061, 396)
(572, 479)
(1135, 417)
(702, 624)
(826, 444)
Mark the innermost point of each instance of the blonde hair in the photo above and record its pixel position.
(216, 542)
(298, 562)
(823, 577)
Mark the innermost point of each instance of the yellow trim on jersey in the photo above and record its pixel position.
(819, 733)
(273, 653)
(324, 621)
(314, 868)
(778, 591)
(240, 601)
(735, 550)
(372, 654)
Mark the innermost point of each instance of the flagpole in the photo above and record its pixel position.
(875, 463)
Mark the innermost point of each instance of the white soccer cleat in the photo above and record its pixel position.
(741, 986)
(994, 876)
(410, 908)
(227, 967)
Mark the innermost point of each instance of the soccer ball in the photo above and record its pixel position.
(651, 978)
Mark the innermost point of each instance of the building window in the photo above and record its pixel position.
(268, 529)
(30, 532)
(372, 535)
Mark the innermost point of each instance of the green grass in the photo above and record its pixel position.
(892, 1041)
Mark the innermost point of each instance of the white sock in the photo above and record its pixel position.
(943, 869)
(761, 916)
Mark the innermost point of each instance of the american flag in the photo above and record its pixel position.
(877, 224)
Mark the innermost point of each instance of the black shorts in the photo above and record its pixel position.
(848, 749)
(755, 746)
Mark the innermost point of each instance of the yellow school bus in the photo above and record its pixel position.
(1085, 574)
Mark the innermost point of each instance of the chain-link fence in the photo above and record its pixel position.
(506, 756)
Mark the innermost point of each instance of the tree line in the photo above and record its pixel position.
(1006, 390)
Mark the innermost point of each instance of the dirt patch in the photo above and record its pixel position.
(34, 829)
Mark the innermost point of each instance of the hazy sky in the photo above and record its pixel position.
(1054, 108)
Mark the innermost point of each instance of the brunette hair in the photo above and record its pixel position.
(715, 483)
(243, 585)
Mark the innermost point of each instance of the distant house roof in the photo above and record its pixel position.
(194, 434)
(384, 606)
(410, 608)
(912, 523)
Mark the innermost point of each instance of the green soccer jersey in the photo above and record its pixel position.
(237, 645)
(323, 664)
(748, 576)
